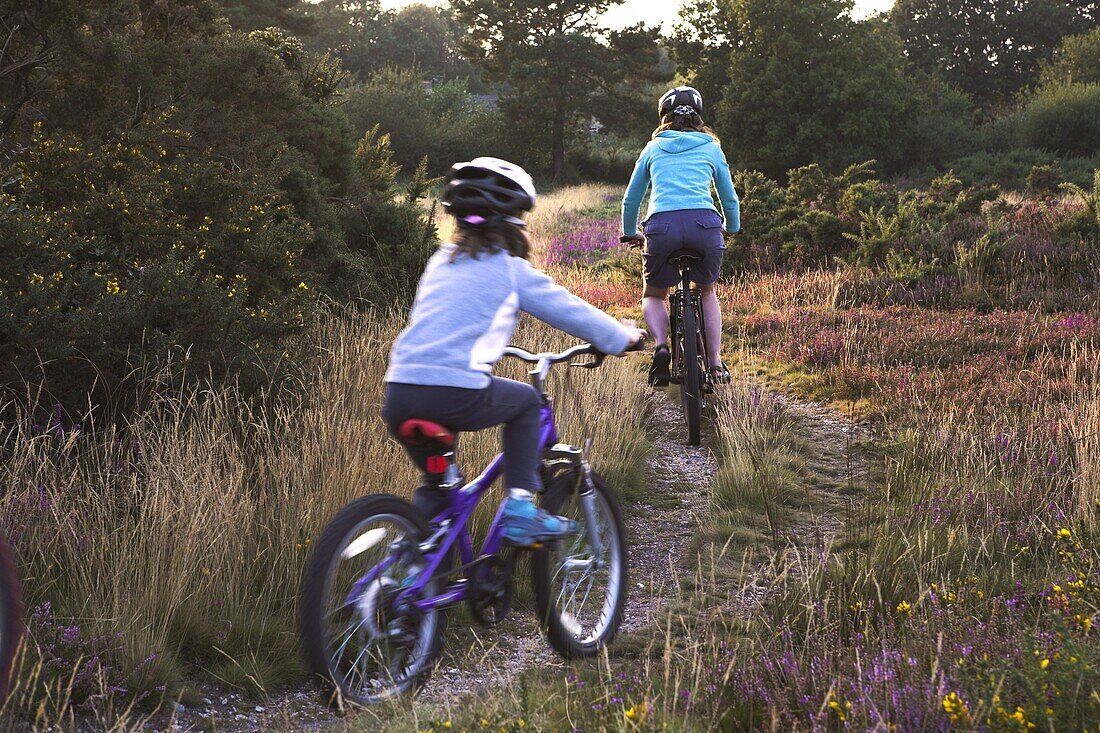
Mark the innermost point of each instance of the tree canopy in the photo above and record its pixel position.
(988, 48)
(806, 83)
(560, 66)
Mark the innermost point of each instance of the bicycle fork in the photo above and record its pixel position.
(570, 455)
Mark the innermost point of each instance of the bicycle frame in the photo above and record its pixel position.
(453, 522)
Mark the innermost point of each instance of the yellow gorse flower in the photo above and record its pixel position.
(955, 707)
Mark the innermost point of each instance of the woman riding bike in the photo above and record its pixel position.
(465, 312)
(682, 162)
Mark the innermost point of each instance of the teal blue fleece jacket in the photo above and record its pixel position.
(681, 166)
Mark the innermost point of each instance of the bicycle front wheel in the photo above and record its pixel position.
(361, 646)
(11, 615)
(691, 393)
(580, 584)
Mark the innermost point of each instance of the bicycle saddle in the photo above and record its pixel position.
(684, 257)
(422, 433)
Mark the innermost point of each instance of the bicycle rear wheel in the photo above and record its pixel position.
(360, 646)
(11, 615)
(691, 393)
(580, 590)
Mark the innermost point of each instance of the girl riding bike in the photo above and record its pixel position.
(463, 317)
(682, 162)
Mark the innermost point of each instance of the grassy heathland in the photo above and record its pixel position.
(918, 554)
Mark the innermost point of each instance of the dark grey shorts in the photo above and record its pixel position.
(668, 231)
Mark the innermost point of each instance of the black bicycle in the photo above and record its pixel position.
(690, 367)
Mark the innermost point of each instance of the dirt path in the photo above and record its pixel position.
(658, 531)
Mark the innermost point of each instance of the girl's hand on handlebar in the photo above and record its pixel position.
(639, 334)
(634, 240)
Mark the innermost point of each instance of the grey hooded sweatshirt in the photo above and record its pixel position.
(466, 310)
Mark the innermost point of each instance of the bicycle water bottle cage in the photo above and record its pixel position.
(432, 438)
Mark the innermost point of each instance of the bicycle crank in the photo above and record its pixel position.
(491, 585)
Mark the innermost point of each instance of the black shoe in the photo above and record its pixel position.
(658, 369)
(720, 375)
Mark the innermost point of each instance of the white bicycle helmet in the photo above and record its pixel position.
(488, 190)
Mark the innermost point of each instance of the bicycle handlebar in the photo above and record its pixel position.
(552, 358)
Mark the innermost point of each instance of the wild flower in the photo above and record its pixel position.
(956, 708)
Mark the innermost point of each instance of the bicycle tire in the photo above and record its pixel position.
(316, 587)
(11, 615)
(560, 497)
(691, 395)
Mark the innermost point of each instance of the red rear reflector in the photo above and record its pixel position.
(437, 464)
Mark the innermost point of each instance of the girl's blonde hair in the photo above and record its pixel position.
(685, 123)
(506, 236)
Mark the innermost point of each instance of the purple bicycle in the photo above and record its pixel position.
(375, 591)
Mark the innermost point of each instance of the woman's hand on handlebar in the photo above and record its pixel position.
(634, 240)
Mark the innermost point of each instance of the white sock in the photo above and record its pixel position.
(521, 494)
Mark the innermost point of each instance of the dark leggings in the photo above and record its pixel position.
(515, 404)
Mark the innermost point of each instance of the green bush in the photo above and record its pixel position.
(603, 158)
(143, 251)
(1009, 169)
(444, 122)
(1064, 119)
(185, 195)
(865, 197)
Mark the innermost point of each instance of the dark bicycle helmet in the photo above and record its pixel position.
(680, 101)
(488, 190)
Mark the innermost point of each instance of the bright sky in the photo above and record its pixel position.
(664, 12)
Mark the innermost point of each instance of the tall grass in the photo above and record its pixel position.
(167, 551)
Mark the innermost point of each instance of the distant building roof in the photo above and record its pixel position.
(487, 101)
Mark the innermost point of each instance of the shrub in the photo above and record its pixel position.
(1043, 180)
(444, 123)
(1064, 119)
(602, 158)
(145, 250)
(865, 197)
(1009, 168)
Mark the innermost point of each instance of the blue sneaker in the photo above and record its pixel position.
(525, 524)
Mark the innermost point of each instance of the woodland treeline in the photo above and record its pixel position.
(183, 181)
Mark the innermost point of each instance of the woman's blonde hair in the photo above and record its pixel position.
(684, 123)
(473, 240)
